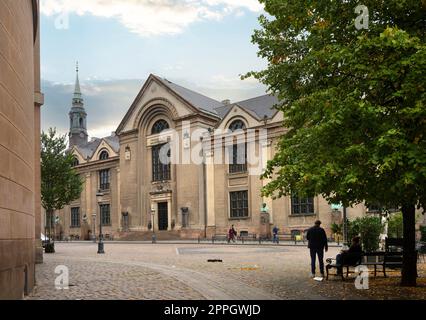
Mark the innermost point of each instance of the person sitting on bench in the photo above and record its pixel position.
(350, 256)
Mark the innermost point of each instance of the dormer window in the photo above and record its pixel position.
(104, 155)
(237, 125)
(160, 126)
(75, 162)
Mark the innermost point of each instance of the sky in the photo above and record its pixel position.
(204, 45)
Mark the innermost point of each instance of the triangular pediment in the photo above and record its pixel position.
(104, 145)
(237, 112)
(156, 91)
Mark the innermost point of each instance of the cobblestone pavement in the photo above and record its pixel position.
(182, 272)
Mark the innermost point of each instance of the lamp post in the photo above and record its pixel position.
(94, 228)
(152, 222)
(99, 196)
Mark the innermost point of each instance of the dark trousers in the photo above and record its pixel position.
(320, 253)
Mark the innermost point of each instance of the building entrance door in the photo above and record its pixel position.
(163, 216)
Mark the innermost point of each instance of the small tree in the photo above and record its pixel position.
(60, 184)
(369, 229)
(396, 226)
(337, 230)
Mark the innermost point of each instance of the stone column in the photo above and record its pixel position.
(38, 102)
(169, 214)
(210, 194)
(120, 226)
(267, 155)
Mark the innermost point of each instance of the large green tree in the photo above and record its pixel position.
(354, 103)
(60, 183)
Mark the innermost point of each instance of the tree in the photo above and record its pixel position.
(60, 183)
(368, 229)
(395, 225)
(353, 102)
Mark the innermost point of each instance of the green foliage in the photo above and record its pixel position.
(354, 100)
(60, 184)
(395, 226)
(336, 228)
(369, 229)
(423, 233)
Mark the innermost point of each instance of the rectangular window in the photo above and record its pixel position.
(75, 217)
(105, 214)
(238, 157)
(239, 204)
(301, 206)
(161, 162)
(104, 176)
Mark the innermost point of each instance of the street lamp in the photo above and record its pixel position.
(152, 222)
(99, 196)
(94, 228)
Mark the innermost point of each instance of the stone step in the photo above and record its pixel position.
(147, 235)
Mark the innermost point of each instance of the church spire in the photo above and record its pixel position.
(77, 91)
(78, 117)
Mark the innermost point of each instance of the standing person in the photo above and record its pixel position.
(317, 243)
(275, 234)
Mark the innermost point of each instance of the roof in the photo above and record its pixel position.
(196, 99)
(262, 106)
(87, 150)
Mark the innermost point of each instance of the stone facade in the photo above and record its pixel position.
(194, 200)
(20, 101)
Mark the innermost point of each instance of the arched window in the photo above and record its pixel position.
(81, 122)
(104, 155)
(237, 125)
(160, 126)
(75, 162)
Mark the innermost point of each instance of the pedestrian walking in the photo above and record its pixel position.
(275, 235)
(232, 233)
(317, 244)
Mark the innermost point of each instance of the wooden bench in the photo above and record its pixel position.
(382, 259)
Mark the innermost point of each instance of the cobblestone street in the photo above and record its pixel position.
(182, 272)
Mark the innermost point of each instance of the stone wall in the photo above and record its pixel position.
(19, 135)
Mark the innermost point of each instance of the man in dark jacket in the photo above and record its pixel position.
(317, 243)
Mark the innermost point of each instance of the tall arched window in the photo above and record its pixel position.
(104, 155)
(160, 126)
(237, 125)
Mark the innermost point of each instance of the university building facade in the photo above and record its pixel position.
(209, 183)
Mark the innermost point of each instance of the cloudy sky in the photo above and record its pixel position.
(201, 44)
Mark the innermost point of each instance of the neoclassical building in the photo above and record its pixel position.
(216, 151)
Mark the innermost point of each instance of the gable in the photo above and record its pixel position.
(104, 145)
(153, 93)
(236, 112)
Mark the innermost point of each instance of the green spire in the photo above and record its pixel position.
(77, 91)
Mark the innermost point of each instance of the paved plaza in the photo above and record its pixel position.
(182, 272)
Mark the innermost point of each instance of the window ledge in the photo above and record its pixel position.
(303, 215)
(239, 218)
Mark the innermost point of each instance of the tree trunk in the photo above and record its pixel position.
(409, 263)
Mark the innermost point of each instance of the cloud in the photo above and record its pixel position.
(152, 17)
